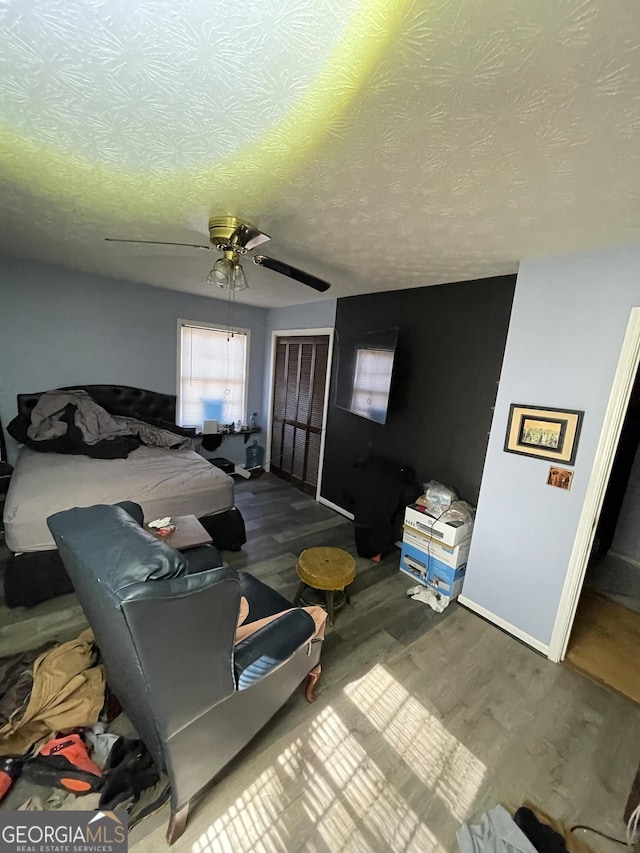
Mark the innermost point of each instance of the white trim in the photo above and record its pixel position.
(325, 414)
(299, 333)
(623, 380)
(217, 327)
(335, 507)
(269, 412)
(502, 623)
(302, 333)
(247, 373)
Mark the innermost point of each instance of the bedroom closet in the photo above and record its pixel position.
(606, 632)
(299, 390)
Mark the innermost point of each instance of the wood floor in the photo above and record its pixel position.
(59, 619)
(422, 721)
(605, 643)
(616, 578)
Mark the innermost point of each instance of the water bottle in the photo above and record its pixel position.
(255, 456)
(253, 420)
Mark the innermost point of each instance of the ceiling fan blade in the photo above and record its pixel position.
(157, 243)
(292, 272)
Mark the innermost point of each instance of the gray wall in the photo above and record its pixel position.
(314, 315)
(59, 327)
(568, 321)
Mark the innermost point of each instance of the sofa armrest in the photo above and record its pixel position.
(202, 558)
(270, 646)
(134, 510)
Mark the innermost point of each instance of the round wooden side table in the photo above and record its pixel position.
(328, 569)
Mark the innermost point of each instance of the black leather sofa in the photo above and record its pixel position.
(165, 623)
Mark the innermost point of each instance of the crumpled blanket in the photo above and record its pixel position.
(530, 831)
(16, 680)
(496, 833)
(67, 692)
(94, 422)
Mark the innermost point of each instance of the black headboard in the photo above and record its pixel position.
(117, 400)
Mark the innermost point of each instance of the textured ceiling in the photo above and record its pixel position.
(381, 143)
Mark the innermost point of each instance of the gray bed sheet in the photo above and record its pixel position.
(163, 482)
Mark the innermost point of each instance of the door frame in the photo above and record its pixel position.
(299, 333)
(623, 380)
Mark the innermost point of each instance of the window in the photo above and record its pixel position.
(212, 374)
(371, 383)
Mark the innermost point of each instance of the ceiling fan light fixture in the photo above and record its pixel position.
(235, 237)
(220, 273)
(238, 279)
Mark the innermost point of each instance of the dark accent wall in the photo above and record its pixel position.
(450, 347)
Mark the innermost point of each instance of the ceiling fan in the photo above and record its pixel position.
(234, 238)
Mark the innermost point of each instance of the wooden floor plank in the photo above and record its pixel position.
(605, 643)
(422, 721)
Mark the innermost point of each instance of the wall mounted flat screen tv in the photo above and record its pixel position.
(365, 370)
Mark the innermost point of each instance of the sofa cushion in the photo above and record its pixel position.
(202, 558)
(263, 601)
(270, 646)
(112, 546)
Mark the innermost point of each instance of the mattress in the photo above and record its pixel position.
(163, 482)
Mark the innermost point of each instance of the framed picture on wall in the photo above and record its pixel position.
(544, 433)
(560, 478)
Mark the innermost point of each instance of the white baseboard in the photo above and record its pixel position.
(506, 626)
(335, 507)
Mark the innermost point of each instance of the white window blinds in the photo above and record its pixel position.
(371, 382)
(213, 368)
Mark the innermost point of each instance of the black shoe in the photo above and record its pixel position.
(150, 801)
(128, 771)
(64, 763)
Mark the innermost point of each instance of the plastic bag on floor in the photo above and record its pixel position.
(428, 596)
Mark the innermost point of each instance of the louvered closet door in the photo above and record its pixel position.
(298, 408)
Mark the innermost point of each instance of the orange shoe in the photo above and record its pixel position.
(10, 769)
(64, 762)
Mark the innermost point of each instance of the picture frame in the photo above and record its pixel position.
(561, 478)
(543, 432)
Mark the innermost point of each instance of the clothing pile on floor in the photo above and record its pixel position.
(56, 737)
(530, 830)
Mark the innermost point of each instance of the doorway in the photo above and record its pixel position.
(605, 635)
(298, 412)
(623, 381)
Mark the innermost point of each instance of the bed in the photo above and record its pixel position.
(163, 482)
